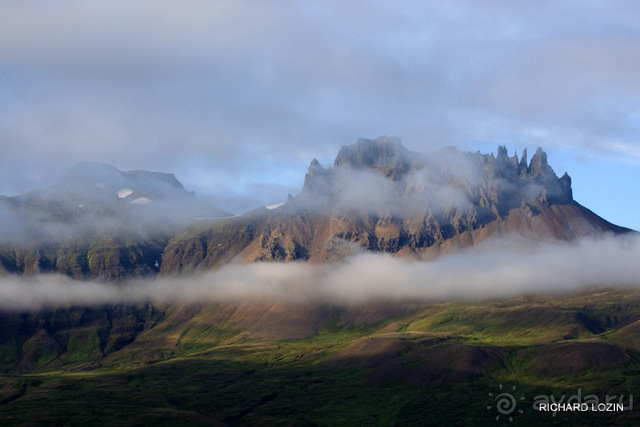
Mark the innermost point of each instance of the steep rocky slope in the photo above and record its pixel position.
(379, 196)
(98, 221)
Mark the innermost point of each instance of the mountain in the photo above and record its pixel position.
(284, 360)
(96, 221)
(379, 196)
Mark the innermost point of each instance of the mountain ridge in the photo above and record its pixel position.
(377, 196)
(409, 204)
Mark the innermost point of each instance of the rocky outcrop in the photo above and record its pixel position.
(379, 196)
(386, 156)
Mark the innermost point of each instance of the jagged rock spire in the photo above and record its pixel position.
(502, 152)
(538, 163)
(523, 168)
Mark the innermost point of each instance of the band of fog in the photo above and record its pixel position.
(498, 267)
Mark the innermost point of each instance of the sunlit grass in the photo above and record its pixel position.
(207, 370)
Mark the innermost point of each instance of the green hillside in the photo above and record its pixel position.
(261, 362)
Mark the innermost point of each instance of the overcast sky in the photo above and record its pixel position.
(237, 97)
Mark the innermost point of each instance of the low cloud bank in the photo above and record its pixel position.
(499, 267)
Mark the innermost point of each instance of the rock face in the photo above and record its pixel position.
(100, 222)
(384, 155)
(379, 196)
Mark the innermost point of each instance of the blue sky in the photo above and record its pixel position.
(236, 98)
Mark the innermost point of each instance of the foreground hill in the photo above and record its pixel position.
(250, 362)
(379, 196)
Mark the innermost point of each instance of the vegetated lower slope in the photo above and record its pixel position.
(379, 196)
(274, 362)
(97, 256)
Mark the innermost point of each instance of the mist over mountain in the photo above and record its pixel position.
(97, 221)
(379, 196)
(492, 268)
(442, 268)
(94, 198)
(382, 177)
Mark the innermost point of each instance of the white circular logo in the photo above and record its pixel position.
(506, 403)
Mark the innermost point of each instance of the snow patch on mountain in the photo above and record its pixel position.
(141, 201)
(272, 207)
(124, 192)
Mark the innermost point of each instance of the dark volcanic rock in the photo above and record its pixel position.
(111, 258)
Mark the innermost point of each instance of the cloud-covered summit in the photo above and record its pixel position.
(384, 177)
(94, 199)
(379, 196)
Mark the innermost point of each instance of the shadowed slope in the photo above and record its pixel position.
(257, 361)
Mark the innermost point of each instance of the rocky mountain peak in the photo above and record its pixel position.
(502, 152)
(315, 166)
(315, 181)
(537, 173)
(522, 167)
(385, 155)
(371, 152)
(539, 163)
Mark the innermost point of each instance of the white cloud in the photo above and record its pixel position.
(250, 89)
(499, 267)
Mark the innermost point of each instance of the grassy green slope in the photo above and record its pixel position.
(419, 363)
